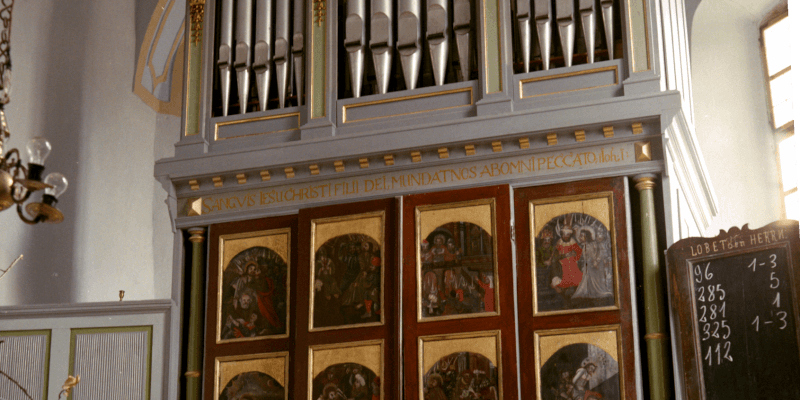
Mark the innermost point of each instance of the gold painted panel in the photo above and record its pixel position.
(359, 364)
(460, 363)
(573, 254)
(267, 374)
(347, 271)
(253, 280)
(580, 363)
(456, 260)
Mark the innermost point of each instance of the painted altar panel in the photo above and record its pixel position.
(458, 285)
(574, 277)
(250, 315)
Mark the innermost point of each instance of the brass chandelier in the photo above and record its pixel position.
(18, 181)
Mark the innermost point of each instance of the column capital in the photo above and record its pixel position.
(197, 234)
(645, 182)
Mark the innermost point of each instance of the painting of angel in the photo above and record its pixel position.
(580, 371)
(457, 271)
(253, 295)
(347, 281)
(574, 266)
(463, 375)
(346, 381)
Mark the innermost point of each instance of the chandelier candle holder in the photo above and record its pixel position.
(18, 181)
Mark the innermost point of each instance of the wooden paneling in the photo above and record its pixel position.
(504, 321)
(530, 324)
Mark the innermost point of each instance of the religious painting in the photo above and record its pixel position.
(456, 264)
(257, 376)
(254, 290)
(579, 364)
(464, 366)
(347, 271)
(574, 257)
(349, 371)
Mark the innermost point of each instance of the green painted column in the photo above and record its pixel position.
(195, 347)
(654, 296)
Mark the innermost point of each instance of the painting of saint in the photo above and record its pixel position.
(253, 385)
(347, 281)
(253, 295)
(574, 267)
(457, 270)
(346, 381)
(461, 376)
(580, 371)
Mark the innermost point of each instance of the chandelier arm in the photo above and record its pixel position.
(25, 219)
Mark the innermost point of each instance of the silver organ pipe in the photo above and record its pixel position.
(586, 11)
(242, 59)
(461, 27)
(438, 37)
(607, 8)
(381, 42)
(224, 62)
(543, 14)
(262, 60)
(565, 18)
(297, 49)
(354, 40)
(282, 49)
(409, 40)
(524, 23)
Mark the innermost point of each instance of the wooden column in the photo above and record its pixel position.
(195, 346)
(654, 296)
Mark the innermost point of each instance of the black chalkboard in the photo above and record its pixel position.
(735, 299)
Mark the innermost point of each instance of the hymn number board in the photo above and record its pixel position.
(736, 299)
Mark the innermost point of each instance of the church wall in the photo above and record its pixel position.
(73, 69)
(731, 116)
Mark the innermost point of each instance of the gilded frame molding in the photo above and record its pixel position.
(221, 269)
(345, 346)
(491, 202)
(219, 360)
(495, 334)
(382, 242)
(615, 329)
(612, 233)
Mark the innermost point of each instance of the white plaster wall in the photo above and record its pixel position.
(73, 69)
(731, 115)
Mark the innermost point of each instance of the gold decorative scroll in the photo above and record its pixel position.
(368, 354)
(597, 208)
(231, 245)
(367, 224)
(483, 343)
(480, 215)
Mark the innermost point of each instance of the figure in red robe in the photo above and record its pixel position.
(568, 254)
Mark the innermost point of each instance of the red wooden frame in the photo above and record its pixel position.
(412, 329)
(528, 324)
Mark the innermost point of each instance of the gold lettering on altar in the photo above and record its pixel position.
(404, 181)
